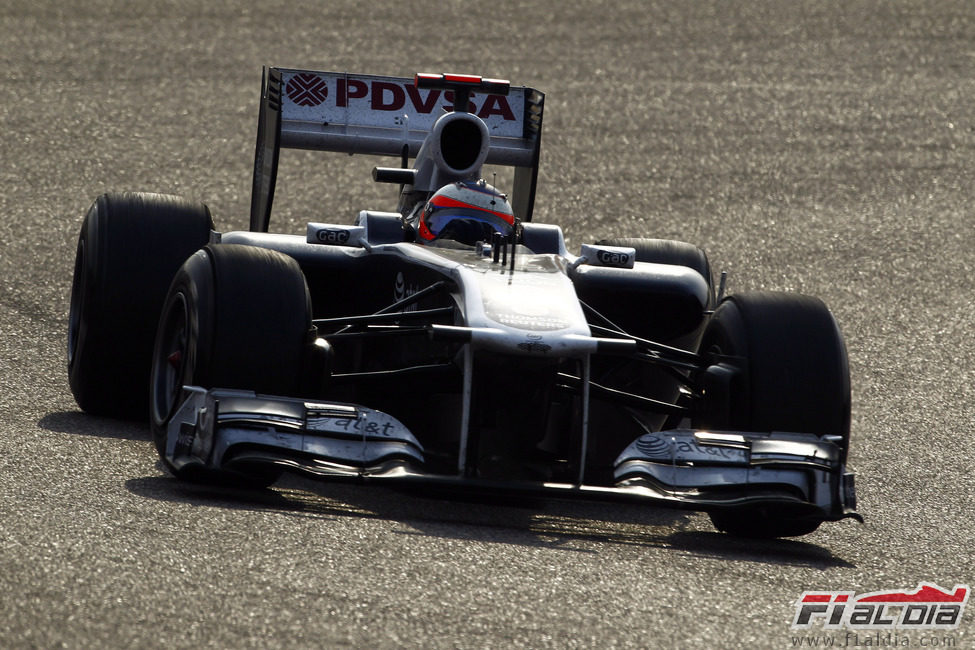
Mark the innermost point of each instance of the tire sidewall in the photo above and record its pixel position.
(192, 288)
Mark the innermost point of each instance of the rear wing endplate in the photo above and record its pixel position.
(384, 116)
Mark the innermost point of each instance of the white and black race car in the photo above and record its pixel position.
(453, 341)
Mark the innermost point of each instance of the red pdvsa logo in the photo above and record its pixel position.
(927, 607)
(307, 89)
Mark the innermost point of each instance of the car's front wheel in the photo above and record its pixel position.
(235, 317)
(779, 363)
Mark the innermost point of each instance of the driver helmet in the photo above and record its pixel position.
(475, 205)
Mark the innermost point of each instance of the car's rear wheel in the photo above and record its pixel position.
(129, 248)
(784, 368)
(235, 317)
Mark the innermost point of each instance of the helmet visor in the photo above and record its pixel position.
(438, 218)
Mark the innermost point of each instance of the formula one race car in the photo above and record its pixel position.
(453, 342)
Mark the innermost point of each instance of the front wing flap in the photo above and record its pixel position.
(219, 428)
(730, 469)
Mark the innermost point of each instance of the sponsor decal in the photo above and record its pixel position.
(350, 425)
(306, 89)
(364, 100)
(528, 322)
(333, 235)
(928, 607)
(534, 344)
(337, 236)
(654, 447)
(685, 448)
(402, 289)
(613, 258)
(184, 440)
(393, 96)
(399, 287)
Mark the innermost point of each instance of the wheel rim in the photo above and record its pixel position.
(79, 285)
(170, 359)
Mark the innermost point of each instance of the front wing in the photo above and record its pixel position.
(799, 475)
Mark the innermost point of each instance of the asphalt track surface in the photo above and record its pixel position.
(820, 147)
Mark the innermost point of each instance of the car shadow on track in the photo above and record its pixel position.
(576, 526)
(78, 422)
(784, 552)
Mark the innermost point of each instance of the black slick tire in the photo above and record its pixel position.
(129, 248)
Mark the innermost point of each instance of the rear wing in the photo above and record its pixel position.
(384, 116)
